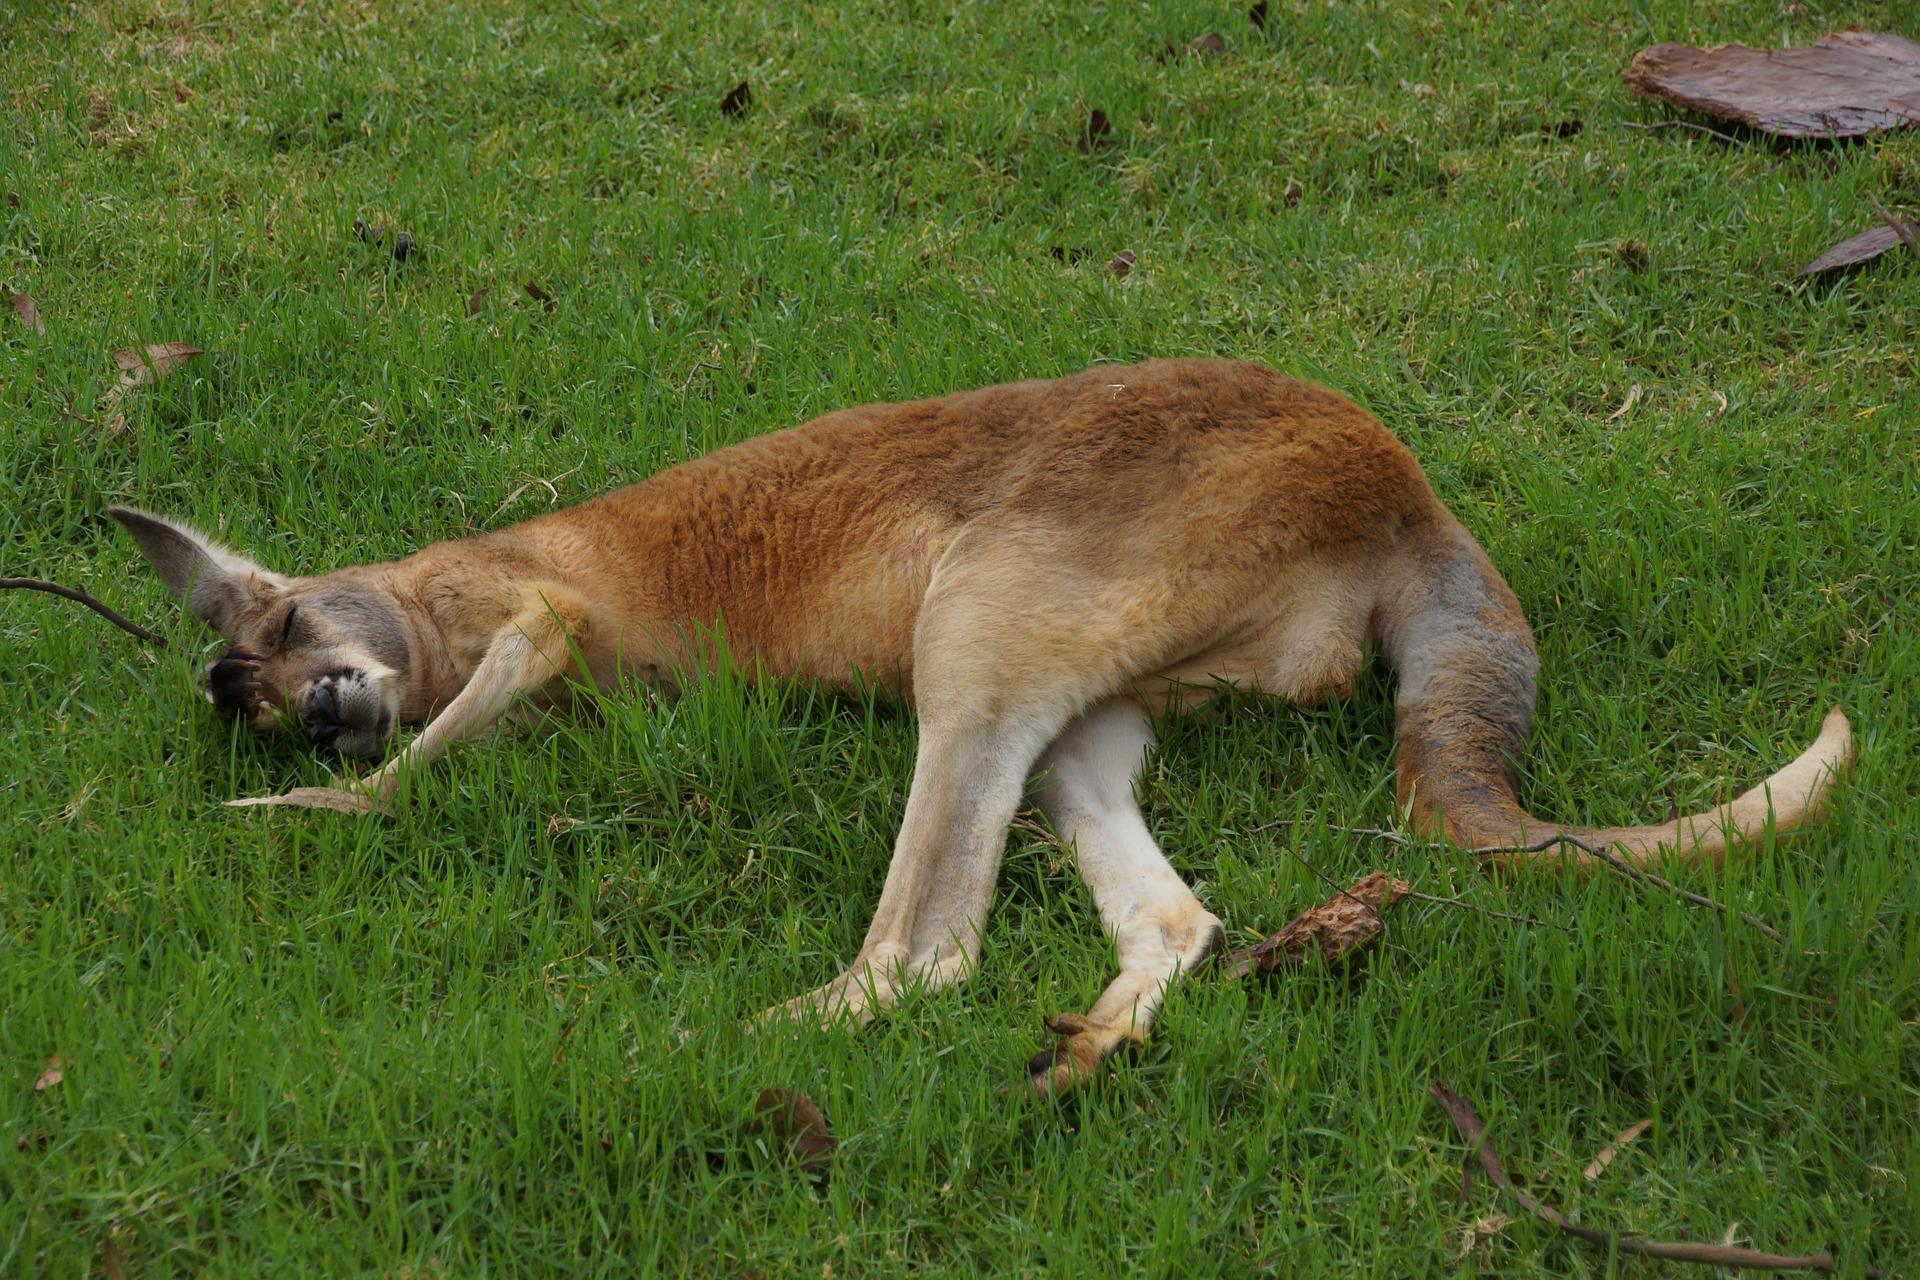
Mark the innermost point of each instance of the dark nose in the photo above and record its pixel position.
(322, 709)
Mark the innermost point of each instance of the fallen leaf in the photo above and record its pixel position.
(1122, 263)
(540, 295)
(50, 1076)
(1258, 14)
(340, 801)
(476, 300)
(795, 1118)
(1343, 924)
(141, 365)
(1093, 134)
(1600, 1162)
(737, 100)
(1842, 86)
(1633, 398)
(1210, 45)
(29, 312)
(1863, 248)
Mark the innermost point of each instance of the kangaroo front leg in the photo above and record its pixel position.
(1158, 926)
(967, 780)
(526, 655)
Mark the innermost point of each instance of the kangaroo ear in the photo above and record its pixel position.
(219, 586)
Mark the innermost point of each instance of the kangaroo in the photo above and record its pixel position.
(1040, 568)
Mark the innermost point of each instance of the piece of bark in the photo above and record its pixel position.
(1854, 250)
(1842, 86)
(1343, 924)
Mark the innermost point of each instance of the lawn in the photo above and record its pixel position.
(501, 1033)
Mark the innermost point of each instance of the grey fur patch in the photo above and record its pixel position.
(368, 617)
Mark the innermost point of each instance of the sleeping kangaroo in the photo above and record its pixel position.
(1040, 568)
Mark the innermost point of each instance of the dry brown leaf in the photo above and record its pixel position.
(476, 300)
(1210, 45)
(141, 365)
(1608, 1152)
(1341, 925)
(540, 295)
(29, 312)
(795, 1118)
(1843, 85)
(1122, 263)
(50, 1075)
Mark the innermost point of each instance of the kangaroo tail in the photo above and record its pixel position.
(1454, 632)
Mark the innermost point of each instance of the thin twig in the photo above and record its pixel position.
(1394, 837)
(106, 611)
(1464, 905)
(1680, 124)
(1606, 856)
(1474, 1134)
(1631, 872)
(1901, 227)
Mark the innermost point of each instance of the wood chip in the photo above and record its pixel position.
(1842, 86)
(1340, 926)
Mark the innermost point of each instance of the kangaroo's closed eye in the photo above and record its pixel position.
(286, 628)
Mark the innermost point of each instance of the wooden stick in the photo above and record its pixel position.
(1474, 1134)
(106, 611)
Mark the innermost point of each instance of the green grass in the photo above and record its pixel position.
(450, 1044)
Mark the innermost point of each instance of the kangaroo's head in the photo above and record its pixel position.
(329, 654)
